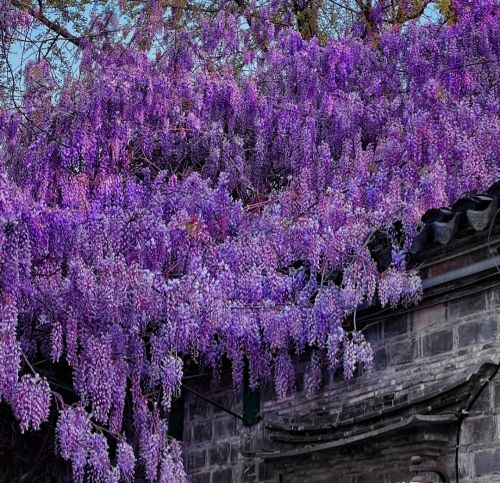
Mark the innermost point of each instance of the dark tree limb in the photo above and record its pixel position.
(411, 12)
(306, 13)
(52, 25)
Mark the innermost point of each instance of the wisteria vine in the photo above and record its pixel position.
(216, 203)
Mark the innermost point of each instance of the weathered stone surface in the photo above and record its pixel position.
(424, 318)
(195, 459)
(235, 451)
(224, 427)
(413, 358)
(497, 396)
(197, 409)
(200, 478)
(395, 326)
(478, 430)
(402, 352)
(219, 454)
(478, 331)
(473, 304)
(380, 360)
(487, 461)
(437, 343)
(202, 432)
(482, 403)
(222, 476)
(494, 297)
(266, 471)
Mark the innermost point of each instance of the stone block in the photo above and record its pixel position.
(266, 471)
(395, 326)
(186, 435)
(219, 454)
(222, 476)
(495, 296)
(247, 443)
(465, 464)
(478, 430)
(224, 427)
(202, 432)
(402, 352)
(200, 478)
(472, 304)
(483, 402)
(437, 343)
(497, 396)
(428, 316)
(487, 462)
(478, 331)
(235, 452)
(195, 459)
(198, 409)
(380, 359)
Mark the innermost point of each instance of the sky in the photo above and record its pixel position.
(19, 55)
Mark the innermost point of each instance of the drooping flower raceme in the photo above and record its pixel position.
(31, 402)
(160, 211)
(73, 431)
(126, 461)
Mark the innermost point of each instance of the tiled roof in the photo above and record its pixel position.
(467, 216)
(473, 213)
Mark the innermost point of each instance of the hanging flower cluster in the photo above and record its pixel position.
(31, 402)
(160, 210)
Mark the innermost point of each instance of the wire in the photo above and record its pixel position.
(215, 404)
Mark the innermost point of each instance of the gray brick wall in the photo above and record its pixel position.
(414, 352)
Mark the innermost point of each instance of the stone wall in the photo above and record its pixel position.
(418, 352)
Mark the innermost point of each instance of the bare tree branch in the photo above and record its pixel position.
(52, 25)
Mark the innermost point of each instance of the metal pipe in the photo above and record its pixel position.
(462, 272)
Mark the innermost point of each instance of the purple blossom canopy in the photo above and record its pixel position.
(157, 211)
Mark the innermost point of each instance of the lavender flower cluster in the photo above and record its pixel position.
(160, 211)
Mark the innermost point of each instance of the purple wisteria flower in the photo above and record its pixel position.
(220, 201)
(31, 402)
